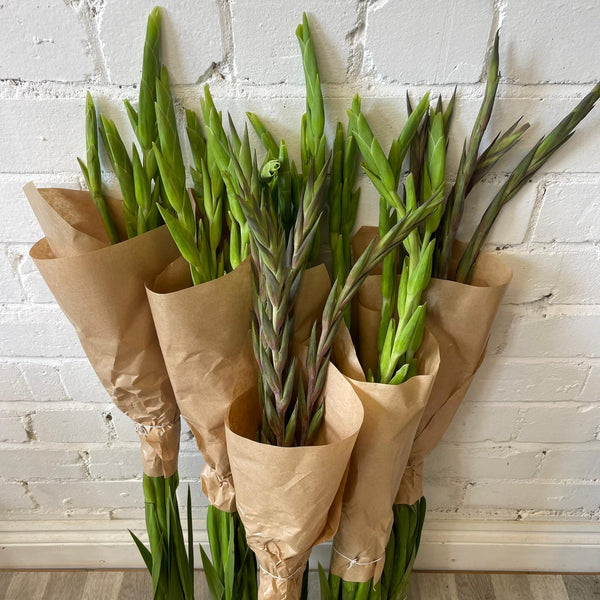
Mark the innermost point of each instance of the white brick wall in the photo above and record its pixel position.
(526, 443)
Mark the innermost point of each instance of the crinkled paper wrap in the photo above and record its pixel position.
(392, 414)
(460, 317)
(204, 336)
(289, 499)
(100, 288)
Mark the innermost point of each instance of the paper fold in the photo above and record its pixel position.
(392, 414)
(100, 288)
(204, 333)
(460, 317)
(289, 499)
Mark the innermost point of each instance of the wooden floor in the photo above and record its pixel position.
(135, 585)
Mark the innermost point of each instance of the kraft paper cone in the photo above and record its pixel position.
(392, 414)
(460, 317)
(100, 288)
(289, 499)
(204, 336)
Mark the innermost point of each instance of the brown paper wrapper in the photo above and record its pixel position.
(204, 336)
(460, 317)
(392, 414)
(100, 288)
(289, 499)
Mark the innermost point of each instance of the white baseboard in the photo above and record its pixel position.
(457, 545)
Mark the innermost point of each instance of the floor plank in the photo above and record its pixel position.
(68, 585)
(27, 585)
(414, 592)
(102, 584)
(5, 578)
(547, 586)
(474, 586)
(511, 587)
(200, 587)
(314, 591)
(136, 585)
(440, 586)
(582, 587)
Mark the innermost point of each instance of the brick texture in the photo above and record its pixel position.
(527, 437)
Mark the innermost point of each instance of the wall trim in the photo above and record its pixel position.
(458, 545)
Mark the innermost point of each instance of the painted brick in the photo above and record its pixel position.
(500, 329)
(504, 462)
(38, 332)
(478, 422)
(191, 38)
(502, 379)
(511, 225)
(14, 497)
(544, 351)
(40, 464)
(534, 273)
(272, 54)
(567, 275)
(115, 462)
(69, 426)
(36, 290)
(538, 47)
(573, 423)
(190, 465)
(391, 28)
(10, 286)
(570, 213)
(12, 428)
(50, 134)
(442, 495)
(124, 426)
(38, 37)
(12, 383)
(82, 383)
(578, 280)
(534, 495)
(19, 223)
(557, 335)
(44, 382)
(571, 463)
(88, 494)
(591, 390)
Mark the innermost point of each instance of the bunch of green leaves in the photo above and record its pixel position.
(231, 575)
(333, 587)
(168, 562)
(400, 556)
(402, 550)
(292, 410)
(138, 175)
(288, 182)
(403, 282)
(342, 293)
(206, 221)
(475, 164)
(92, 170)
(343, 202)
(529, 164)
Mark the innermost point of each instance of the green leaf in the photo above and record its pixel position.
(215, 585)
(146, 554)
